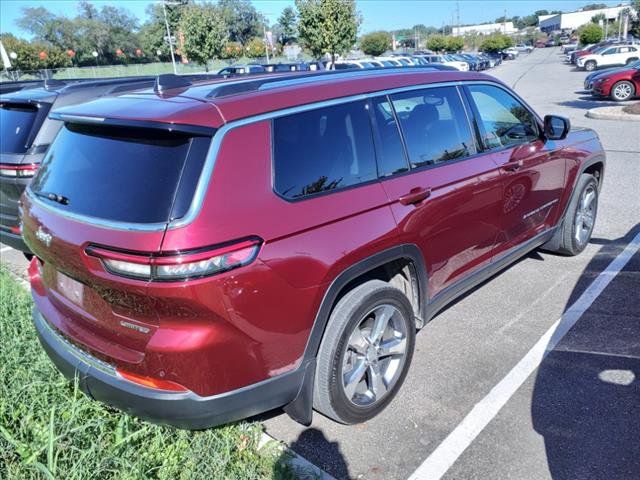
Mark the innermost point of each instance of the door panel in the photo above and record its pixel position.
(532, 173)
(449, 204)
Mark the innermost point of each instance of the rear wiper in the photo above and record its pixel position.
(53, 197)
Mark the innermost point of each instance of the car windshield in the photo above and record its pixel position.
(16, 122)
(121, 174)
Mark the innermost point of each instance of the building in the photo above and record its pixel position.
(486, 29)
(572, 20)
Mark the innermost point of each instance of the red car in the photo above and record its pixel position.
(621, 84)
(208, 252)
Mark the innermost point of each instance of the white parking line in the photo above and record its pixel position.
(444, 456)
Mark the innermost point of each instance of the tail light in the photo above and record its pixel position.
(18, 171)
(150, 382)
(180, 266)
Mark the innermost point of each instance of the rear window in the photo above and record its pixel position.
(122, 174)
(16, 122)
(323, 150)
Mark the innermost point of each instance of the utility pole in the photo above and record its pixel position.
(504, 22)
(166, 24)
(457, 17)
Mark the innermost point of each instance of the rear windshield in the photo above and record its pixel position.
(122, 174)
(16, 122)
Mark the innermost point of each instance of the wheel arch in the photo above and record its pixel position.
(301, 407)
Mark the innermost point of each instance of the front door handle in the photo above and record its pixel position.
(415, 195)
(512, 166)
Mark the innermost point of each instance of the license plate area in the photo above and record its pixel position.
(70, 288)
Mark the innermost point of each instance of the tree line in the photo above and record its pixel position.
(200, 32)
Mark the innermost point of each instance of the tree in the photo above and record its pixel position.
(590, 33)
(634, 24)
(242, 19)
(496, 42)
(255, 48)
(539, 13)
(328, 26)
(28, 54)
(454, 44)
(437, 43)
(594, 6)
(598, 18)
(153, 32)
(205, 33)
(288, 25)
(375, 43)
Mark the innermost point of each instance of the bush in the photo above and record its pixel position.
(437, 43)
(590, 33)
(255, 48)
(496, 42)
(231, 50)
(454, 44)
(375, 43)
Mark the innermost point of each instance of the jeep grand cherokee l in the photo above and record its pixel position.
(208, 252)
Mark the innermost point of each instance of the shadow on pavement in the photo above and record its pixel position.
(313, 445)
(586, 399)
(588, 102)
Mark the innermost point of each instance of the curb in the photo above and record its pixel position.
(612, 113)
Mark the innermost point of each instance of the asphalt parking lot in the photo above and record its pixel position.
(575, 416)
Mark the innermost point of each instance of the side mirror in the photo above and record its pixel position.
(556, 127)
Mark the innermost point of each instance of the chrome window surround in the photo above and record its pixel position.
(216, 142)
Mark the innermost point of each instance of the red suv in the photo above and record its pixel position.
(208, 252)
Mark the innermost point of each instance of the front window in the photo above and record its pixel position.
(504, 121)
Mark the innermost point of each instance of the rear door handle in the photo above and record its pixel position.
(415, 195)
(512, 166)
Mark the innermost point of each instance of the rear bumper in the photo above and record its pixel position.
(182, 409)
(14, 241)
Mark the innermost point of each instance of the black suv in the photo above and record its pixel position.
(27, 132)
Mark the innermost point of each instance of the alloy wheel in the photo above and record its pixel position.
(585, 215)
(374, 356)
(622, 91)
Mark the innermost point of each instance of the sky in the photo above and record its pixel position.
(377, 14)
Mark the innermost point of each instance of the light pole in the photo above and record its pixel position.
(166, 24)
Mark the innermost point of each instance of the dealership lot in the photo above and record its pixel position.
(576, 415)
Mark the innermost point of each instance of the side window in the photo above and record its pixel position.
(323, 150)
(623, 50)
(609, 51)
(504, 121)
(434, 124)
(391, 157)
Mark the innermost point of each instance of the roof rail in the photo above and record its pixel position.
(298, 78)
(51, 84)
(168, 81)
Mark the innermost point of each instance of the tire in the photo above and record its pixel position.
(28, 256)
(349, 346)
(590, 66)
(622, 90)
(576, 227)
(630, 60)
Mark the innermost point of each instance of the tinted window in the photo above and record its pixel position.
(16, 122)
(322, 150)
(122, 174)
(434, 125)
(504, 121)
(391, 157)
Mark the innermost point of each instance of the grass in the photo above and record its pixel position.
(50, 430)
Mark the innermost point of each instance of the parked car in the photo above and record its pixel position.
(512, 53)
(166, 282)
(589, 79)
(475, 64)
(568, 48)
(26, 133)
(522, 48)
(389, 62)
(8, 87)
(447, 60)
(610, 56)
(242, 69)
(540, 44)
(496, 57)
(618, 84)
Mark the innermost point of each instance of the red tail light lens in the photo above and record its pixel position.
(182, 266)
(18, 171)
(151, 382)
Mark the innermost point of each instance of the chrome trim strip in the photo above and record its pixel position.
(81, 118)
(79, 354)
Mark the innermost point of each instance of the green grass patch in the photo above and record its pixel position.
(49, 429)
